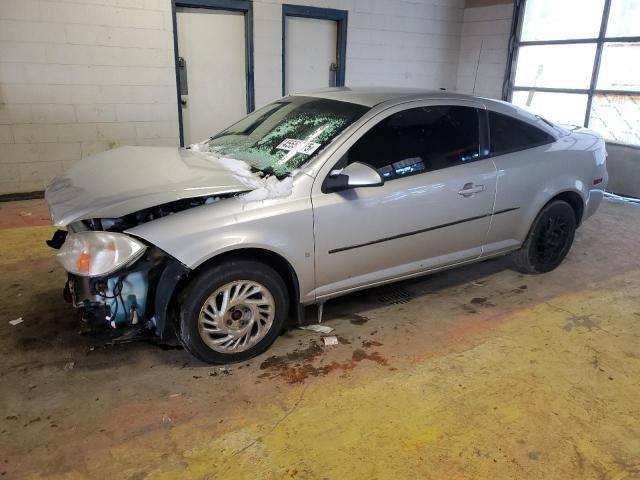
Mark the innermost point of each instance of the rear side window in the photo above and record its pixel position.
(508, 134)
(420, 140)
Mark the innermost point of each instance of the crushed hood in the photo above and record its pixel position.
(117, 182)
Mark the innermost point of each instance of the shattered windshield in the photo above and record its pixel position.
(282, 136)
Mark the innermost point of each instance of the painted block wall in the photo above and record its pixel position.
(78, 77)
(483, 49)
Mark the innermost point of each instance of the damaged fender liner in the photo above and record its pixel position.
(165, 289)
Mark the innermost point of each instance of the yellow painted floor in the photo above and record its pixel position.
(475, 373)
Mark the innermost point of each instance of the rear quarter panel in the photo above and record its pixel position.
(529, 179)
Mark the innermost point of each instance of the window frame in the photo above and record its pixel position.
(515, 43)
(483, 134)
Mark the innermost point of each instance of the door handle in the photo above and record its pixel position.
(470, 189)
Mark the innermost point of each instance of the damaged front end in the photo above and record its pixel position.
(116, 279)
(129, 296)
(136, 294)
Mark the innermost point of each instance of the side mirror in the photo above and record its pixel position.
(354, 175)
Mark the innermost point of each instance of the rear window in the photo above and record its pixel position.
(508, 134)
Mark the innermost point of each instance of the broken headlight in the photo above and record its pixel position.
(96, 254)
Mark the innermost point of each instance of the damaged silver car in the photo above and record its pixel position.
(223, 243)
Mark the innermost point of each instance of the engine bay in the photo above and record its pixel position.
(147, 215)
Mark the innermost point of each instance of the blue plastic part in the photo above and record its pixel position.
(134, 295)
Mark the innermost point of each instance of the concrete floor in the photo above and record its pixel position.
(475, 373)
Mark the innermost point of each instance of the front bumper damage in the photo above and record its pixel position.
(139, 295)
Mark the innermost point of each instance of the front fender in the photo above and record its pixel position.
(284, 227)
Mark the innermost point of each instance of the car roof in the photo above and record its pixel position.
(372, 96)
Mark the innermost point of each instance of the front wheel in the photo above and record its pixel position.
(233, 311)
(549, 239)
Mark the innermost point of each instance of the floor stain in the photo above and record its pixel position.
(359, 355)
(297, 366)
(355, 319)
(581, 322)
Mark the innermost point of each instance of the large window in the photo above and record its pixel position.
(419, 140)
(578, 62)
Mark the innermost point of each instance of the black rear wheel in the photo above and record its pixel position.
(549, 239)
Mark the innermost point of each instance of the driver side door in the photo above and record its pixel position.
(434, 208)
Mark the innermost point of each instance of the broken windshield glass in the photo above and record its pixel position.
(284, 135)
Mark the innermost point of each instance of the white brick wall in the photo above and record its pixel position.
(78, 77)
(412, 43)
(483, 50)
(82, 76)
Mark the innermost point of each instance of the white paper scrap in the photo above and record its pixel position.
(332, 340)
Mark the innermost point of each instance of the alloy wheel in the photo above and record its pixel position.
(236, 316)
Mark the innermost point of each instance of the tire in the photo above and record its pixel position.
(549, 239)
(252, 321)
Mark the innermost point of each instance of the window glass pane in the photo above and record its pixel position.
(419, 140)
(281, 137)
(510, 135)
(623, 18)
(561, 20)
(559, 66)
(568, 108)
(616, 117)
(620, 67)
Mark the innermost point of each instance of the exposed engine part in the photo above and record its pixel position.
(123, 299)
(149, 214)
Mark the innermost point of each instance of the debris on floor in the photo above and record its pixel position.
(16, 321)
(69, 365)
(332, 340)
(317, 328)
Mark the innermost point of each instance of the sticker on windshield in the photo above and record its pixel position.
(299, 146)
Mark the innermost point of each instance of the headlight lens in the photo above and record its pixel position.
(95, 254)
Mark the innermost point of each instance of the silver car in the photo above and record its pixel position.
(311, 197)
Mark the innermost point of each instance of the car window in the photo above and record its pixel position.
(419, 140)
(508, 134)
(284, 135)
